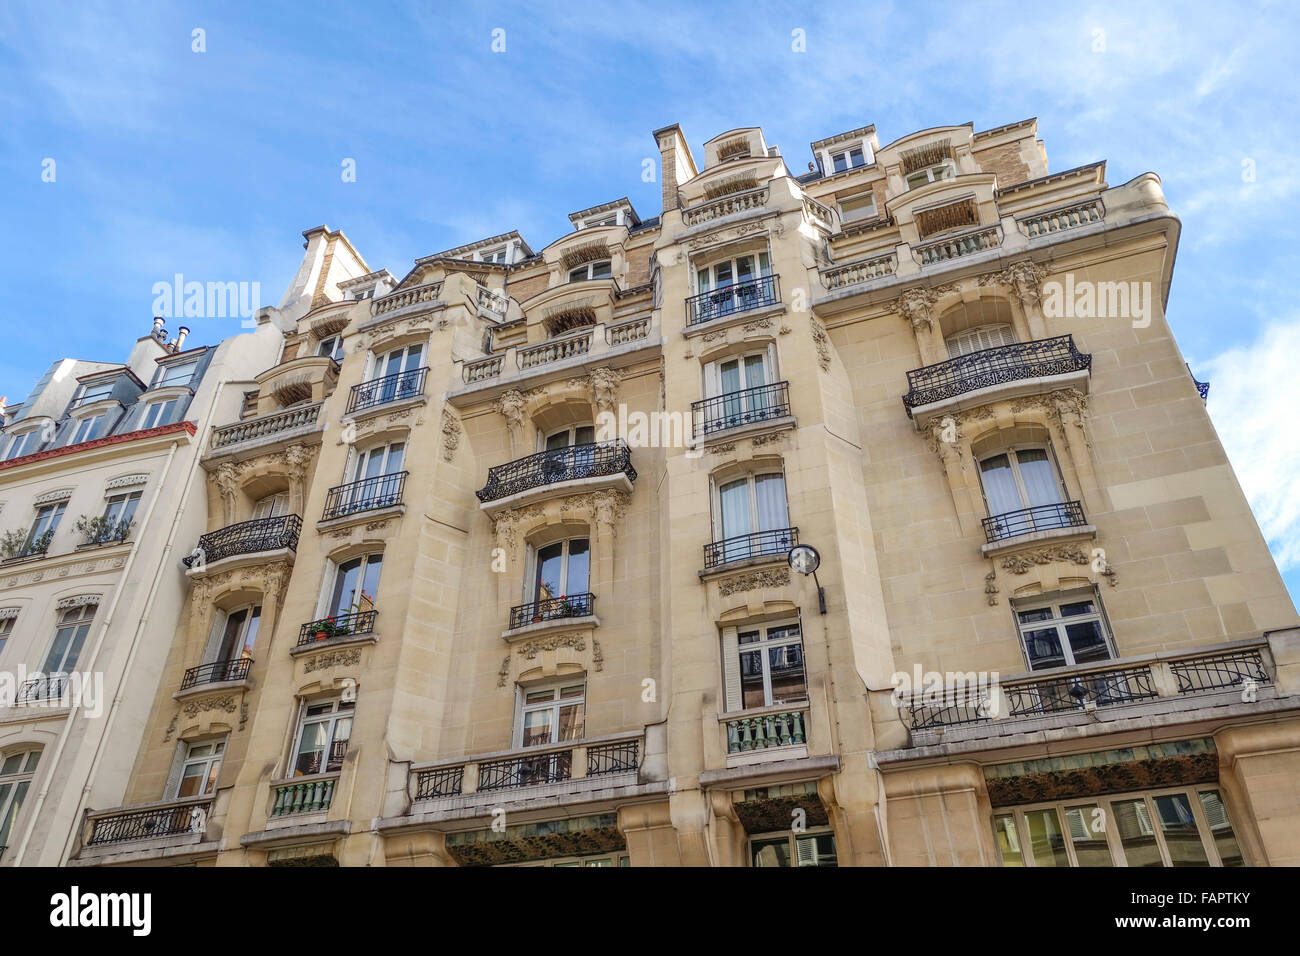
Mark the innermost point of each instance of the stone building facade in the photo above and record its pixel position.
(864, 516)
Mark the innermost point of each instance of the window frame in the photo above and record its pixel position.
(8, 623)
(1057, 622)
(946, 165)
(856, 197)
(762, 646)
(331, 593)
(211, 761)
(162, 378)
(1204, 831)
(339, 711)
(589, 268)
(54, 512)
(18, 442)
(532, 586)
(335, 351)
(85, 428)
(792, 842)
(1022, 491)
(847, 154)
(243, 640)
(161, 410)
(15, 785)
(751, 478)
(1009, 334)
(78, 619)
(557, 703)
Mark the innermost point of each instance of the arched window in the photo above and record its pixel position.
(1019, 478)
(16, 772)
(234, 634)
(559, 570)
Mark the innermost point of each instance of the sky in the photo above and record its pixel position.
(138, 141)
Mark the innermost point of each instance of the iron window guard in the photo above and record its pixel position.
(554, 465)
(732, 299)
(993, 366)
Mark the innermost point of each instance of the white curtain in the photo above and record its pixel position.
(1039, 478)
(769, 492)
(735, 509)
(999, 485)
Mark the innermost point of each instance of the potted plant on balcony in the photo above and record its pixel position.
(324, 629)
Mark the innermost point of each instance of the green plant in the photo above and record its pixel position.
(103, 529)
(20, 544)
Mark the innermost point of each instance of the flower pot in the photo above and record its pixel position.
(321, 635)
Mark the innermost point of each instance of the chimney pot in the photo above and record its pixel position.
(180, 338)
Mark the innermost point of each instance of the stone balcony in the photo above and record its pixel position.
(267, 432)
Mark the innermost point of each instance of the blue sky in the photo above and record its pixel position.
(210, 164)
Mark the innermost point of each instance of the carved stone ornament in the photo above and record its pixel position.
(530, 649)
(504, 673)
(823, 343)
(1024, 279)
(917, 305)
(340, 658)
(1022, 562)
(767, 578)
(604, 388)
(80, 600)
(991, 587)
(224, 703)
(450, 435)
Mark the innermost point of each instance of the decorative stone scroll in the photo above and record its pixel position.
(754, 580)
(80, 600)
(340, 658)
(1024, 561)
(450, 435)
(530, 649)
(126, 481)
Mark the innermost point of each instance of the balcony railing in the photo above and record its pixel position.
(554, 350)
(745, 407)
(381, 491)
(955, 246)
(757, 545)
(481, 371)
(187, 817)
(725, 206)
(732, 299)
(390, 388)
(247, 537)
(993, 366)
(300, 416)
(765, 731)
(1202, 388)
(529, 768)
(340, 625)
(48, 687)
(1084, 688)
(554, 465)
(305, 797)
(412, 296)
(553, 609)
(217, 671)
(631, 331)
(1062, 514)
(1065, 217)
(492, 302)
(864, 270)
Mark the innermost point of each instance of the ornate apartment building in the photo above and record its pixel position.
(99, 482)
(864, 516)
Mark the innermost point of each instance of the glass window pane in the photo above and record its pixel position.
(735, 511)
(1078, 607)
(571, 722)
(370, 582)
(999, 485)
(1216, 814)
(786, 665)
(1039, 477)
(1087, 642)
(578, 577)
(1136, 835)
(1179, 827)
(1046, 841)
(537, 727)
(1043, 648)
(1008, 840)
(540, 696)
(11, 764)
(1087, 826)
(549, 568)
(751, 680)
(771, 852)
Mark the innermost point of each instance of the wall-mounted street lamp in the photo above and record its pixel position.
(804, 559)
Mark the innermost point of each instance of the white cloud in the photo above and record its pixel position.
(1254, 395)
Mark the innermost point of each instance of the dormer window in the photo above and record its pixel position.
(93, 392)
(87, 429)
(179, 373)
(364, 293)
(331, 347)
(931, 174)
(591, 270)
(851, 158)
(23, 444)
(610, 220)
(493, 255)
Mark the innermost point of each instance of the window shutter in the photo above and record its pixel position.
(805, 851)
(1215, 813)
(731, 669)
(214, 636)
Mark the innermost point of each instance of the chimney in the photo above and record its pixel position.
(675, 163)
(158, 333)
(180, 339)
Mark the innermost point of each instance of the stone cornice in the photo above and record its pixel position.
(107, 441)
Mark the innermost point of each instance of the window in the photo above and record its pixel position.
(751, 518)
(323, 732)
(596, 221)
(178, 373)
(379, 461)
(850, 158)
(561, 570)
(94, 392)
(16, 773)
(592, 270)
(363, 294)
(399, 371)
(551, 715)
(739, 383)
(234, 633)
(734, 285)
(931, 174)
(119, 514)
(272, 506)
(611, 859)
(768, 662)
(157, 413)
(858, 207)
(1187, 827)
(982, 337)
(1021, 478)
(1064, 632)
(794, 849)
(570, 436)
(493, 255)
(85, 429)
(69, 639)
(43, 528)
(23, 444)
(200, 769)
(331, 347)
(7, 626)
(356, 584)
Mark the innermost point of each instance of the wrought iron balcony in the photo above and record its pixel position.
(757, 545)
(48, 687)
(766, 731)
(1083, 688)
(338, 625)
(1202, 388)
(731, 299)
(994, 366)
(187, 817)
(247, 537)
(745, 407)
(1062, 514)
(217, 671)
(390, 388)
(553, 609)
(551, 764)
(558, 464)
(381, 491)
(531, 771)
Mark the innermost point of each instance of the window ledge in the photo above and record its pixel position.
(212, 687)
(735, 318)
(361, 517)
(559, 489)
(740, 564)
(1081, 532)
(371, 411)
(298, 650)
(748, 430)
(511, 635)
(236, 561)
